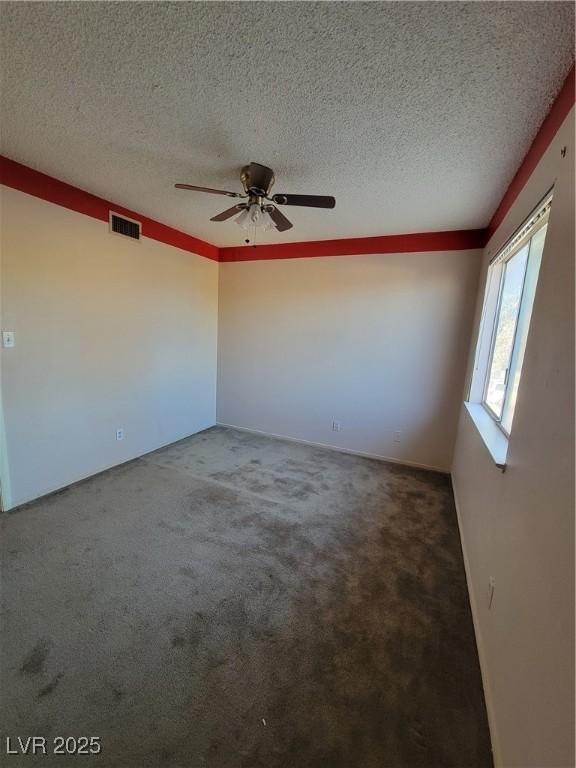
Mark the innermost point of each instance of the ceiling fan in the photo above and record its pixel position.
(259, 209)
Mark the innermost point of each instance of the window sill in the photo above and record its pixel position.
(494, 439)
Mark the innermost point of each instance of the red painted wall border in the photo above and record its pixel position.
(549, 128)
(18, 176)
(460, 240)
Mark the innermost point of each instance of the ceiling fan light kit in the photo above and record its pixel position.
(255, 216)
(259, 211)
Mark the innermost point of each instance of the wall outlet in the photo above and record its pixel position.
(336, 426)
(491, 586)
(397, 436)
(119, 434)
(8, 339)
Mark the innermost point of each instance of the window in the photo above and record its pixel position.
(510, 291)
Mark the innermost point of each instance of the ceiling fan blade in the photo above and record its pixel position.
(280, 221)
(229, 212)
(208, 189)
(310, 201)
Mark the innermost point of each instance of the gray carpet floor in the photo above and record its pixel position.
(236, 601)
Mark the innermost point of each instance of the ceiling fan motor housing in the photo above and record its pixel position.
(257, 179)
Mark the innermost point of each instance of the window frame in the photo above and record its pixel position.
(491, 308)
(523, 237)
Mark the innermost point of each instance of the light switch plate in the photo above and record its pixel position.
(8, 339)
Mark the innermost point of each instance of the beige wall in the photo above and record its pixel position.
(110, 333)
(518, 527)
(378, 343)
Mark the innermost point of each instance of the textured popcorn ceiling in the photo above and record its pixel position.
(414, 115)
